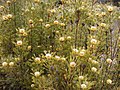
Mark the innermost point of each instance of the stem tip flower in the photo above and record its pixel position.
(109, 81)
(11, 64)
(4, 64)
(72, 64)
(83, 86)
(37, 74)
(19, 43)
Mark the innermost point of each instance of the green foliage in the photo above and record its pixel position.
(59, 45)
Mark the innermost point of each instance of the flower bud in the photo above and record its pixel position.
(109, 81)
(68, 37)
(72, 64)
(63, 59)
(103, 13)
(93, 41)
(30, 21)
(62, 39)
(2, 8)
(37, 59)
(41, 20)
(4, 64)
(56, 22)
(8, 2)
(97, 14)
(4, 18)
(75, 52)
(57, 57)
(48, 55)
(32, 85)
(93, 28)
(53, 11)
(118, 17)
(25, 34)
(81, 77)
(29, 47)
(119, 38)
(21, 31)
(94, 69)
(19, 43)
(9, 16)
(94, 62)
(11, 64)
(62, 24)
(103, 25)
(33, 8)
(83, 86)
(109, 60)
(110, 8)
(90, 59)
(82, 53)
(37, 74)
(47, 25)
(57, 32)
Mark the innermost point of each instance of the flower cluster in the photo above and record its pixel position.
(59, 45)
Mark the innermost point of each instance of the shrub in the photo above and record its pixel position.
(61, 45)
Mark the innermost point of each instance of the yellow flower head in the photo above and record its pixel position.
(4, 64)
(19, 43)
(72, 64)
